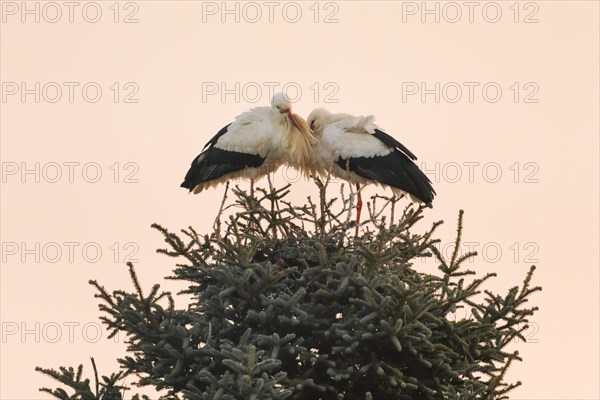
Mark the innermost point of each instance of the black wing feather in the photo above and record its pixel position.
(213, 141)
(394, 169)
(213, 163)
(393, 143)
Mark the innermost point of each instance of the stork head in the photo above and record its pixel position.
(317, 120)
(298, 135)
(282, 104)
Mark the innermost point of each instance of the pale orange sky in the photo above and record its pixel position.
(171, 80)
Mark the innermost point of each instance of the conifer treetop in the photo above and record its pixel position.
(288, 304)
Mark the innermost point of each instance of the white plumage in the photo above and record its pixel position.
(348, 138)
(355, 149)
(255, 144)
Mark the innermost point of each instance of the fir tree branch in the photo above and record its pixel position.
(288, 304)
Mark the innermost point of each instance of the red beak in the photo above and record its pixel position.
(293, 120)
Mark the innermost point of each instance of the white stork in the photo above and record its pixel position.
(355, 149)
(253, 145)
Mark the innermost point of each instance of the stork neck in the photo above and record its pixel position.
(298, 141)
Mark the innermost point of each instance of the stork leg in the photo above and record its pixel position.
(358, 208)
(252, 187)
